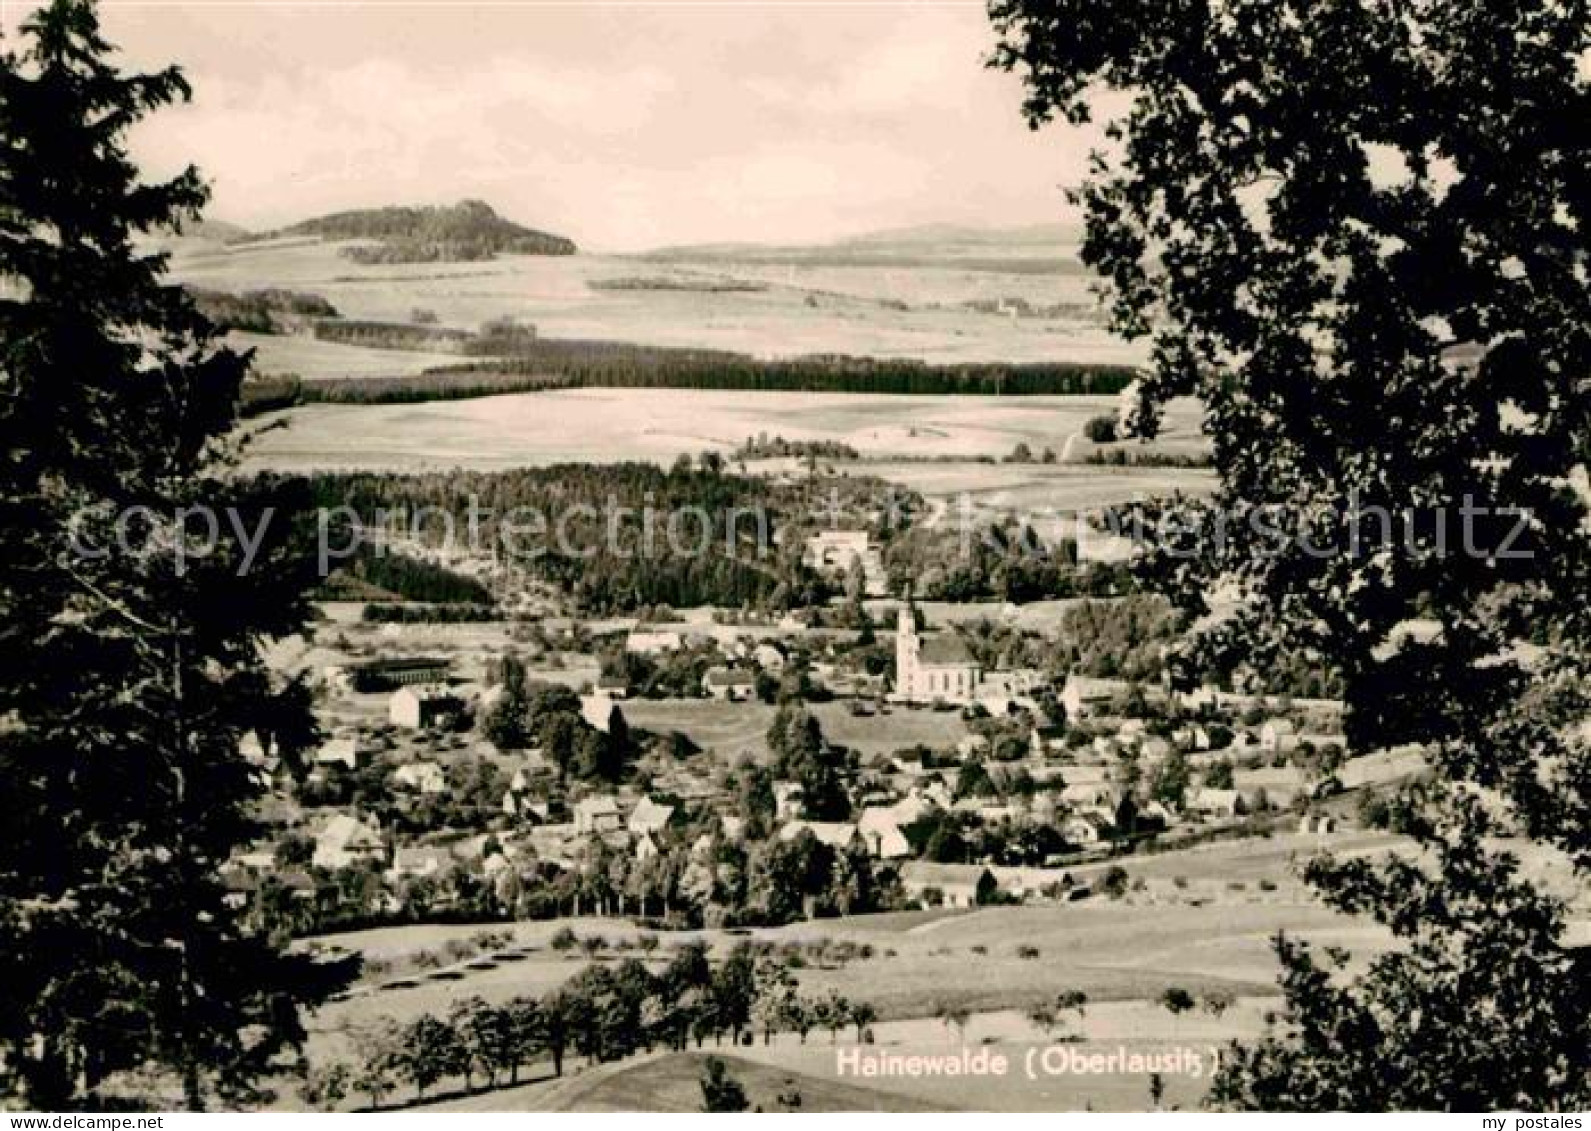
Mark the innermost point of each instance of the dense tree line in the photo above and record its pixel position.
(408, 578)
(1121, 639)
(268, 311)
(763, 446)
(615, 537)
(611, 364)
(424, 337)
(1004, 561)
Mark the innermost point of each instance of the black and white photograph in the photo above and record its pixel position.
(795, 556)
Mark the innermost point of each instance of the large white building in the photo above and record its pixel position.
(934, 667)
(833, 552)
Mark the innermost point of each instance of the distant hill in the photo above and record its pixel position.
(463, 232)
(220, 231)
(1032, 249)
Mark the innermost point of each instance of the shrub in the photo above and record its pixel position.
(1101, 429)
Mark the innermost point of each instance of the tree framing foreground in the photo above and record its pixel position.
(1357, 230)
(129, 678)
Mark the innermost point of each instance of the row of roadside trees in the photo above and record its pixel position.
(604, 1013)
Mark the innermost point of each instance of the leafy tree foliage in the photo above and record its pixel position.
(1358, 231)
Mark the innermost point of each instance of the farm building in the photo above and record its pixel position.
(342, 750)
(1085, 697)
(729, 684)
(649, 640)
(598, 814)
(383, 675)
(650, 818)
(833, 551)
(1215, 802)
(422, 777)
(419, 862)
(839, 835)
(421, 706)
(948, 885)
(345, 841)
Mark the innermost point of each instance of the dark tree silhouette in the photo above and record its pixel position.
(1358, 231)
(132, 661)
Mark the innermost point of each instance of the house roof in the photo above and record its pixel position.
(942, 876)
(420, 855)
(649, 816)
(424, 692)
(727, 677)
(835, 834)
(599, 803)
(345, 832)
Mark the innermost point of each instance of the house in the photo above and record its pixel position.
(880, 830)
(345, 841)
(1221, 803)
(421, 862)
(422, 777)
(1277, 786)
(948, 885)
(1278, 736)
(768, 657)
(838, 835)
(650, 818)
(936, 668)
(421, 706)
(1088, 828)
(789, 799)
(1319, 823)
(343, 750)
(241, 887)
(598, 814)
(731, 684)
(613, 686)
(650, 639)
(1085, 697)
(834, 551)
(646, 848)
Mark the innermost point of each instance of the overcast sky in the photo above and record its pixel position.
(620, 126)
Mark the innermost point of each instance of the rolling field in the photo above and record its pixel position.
(911, 311)
(927, 441)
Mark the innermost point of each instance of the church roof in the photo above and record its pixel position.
(946, 648)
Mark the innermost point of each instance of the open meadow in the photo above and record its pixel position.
(939, 445)
(917, 310)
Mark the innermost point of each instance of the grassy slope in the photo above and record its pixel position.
(671, 1083)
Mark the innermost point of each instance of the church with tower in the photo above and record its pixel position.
(932, 668)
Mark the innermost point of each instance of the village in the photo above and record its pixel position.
(696, 771)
